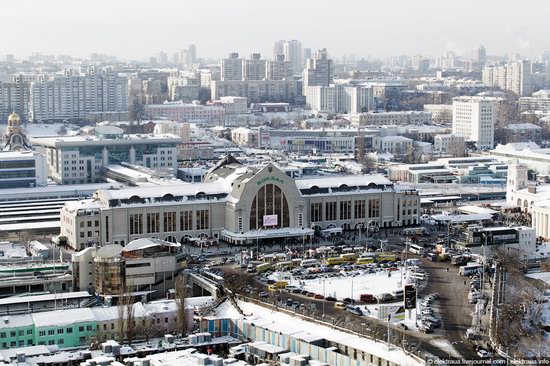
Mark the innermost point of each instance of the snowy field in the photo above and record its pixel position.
(353, 286)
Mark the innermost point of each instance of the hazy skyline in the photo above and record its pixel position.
(138, 29)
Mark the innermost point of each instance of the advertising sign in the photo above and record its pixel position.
(270, 220)
(410, 297)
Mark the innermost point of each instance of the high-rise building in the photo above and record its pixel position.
(292, 50)
(474, 118)
(162, 58)
(254, 68)
(73, 95)
(232, 67)
(192, 54)
(279, 68)
(514, 76)
(340, 98)
(318, 71)
(480, 55)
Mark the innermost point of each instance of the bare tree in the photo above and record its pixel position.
(130, 320)
(125, 321)
(181, 296)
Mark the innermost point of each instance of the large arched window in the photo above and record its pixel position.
(269, 200)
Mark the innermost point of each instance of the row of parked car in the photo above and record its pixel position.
(428, 320)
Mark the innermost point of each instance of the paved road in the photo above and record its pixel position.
(454, 308)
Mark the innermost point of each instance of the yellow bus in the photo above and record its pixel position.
(280, 284)
(284, 265)
(387, 257)
(335, 260)
(348, 257)
(263, 267)
(365, 260)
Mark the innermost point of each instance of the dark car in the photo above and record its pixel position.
(289, 302)
(264, 294)
(310, 294)
(319, 296)
(347, 300)
(296, 291)
(330, 298)
(304, 292)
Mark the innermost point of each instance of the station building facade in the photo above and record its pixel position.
(240, 205)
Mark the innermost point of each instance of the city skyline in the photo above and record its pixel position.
(379, 30)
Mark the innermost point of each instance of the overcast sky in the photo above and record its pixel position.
(139, 28)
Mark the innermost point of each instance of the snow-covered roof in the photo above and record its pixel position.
(522, 126)
(48, 297)
(183, 189)
(109, 313)
(80, 140)
(338, 181)
(143, 243)
(63, 317)
(16, 321)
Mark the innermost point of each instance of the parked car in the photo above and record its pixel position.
(424, 329)
(354, 310)
(330, 298)
(403, 326)
(264, 294)
(483, 353)
(434, 321)
(289, 302)
(319, 296)
(347, 300)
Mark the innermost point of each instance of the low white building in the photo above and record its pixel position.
(395, 144)
(449, 143)
(392, 118)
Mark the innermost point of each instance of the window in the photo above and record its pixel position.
(136, 224)
(169, 221)
(315, 211)
(300, 219)
(21, 333)
(61, 341)
(3, 335)
(81, 223)
(13, 334)
(60, 331)
(359, 209)
(81, 329)
(374, 208)
(186, 220)
(29, 342)
(166, 319)
(89, 328)
(69, 330)
(330, 211)
(107, 228)
(96, 223)
(345, 210)
(240, 224)
(51, 332)
(202, 220)
(270, 200)
(42, 333)
(29, 331)
(82, 234)
(153, 223)
(89, 224)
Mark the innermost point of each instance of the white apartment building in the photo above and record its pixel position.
(442, 113)
(397, 145)
(180, 111)
(514, 76)
(539, 101)
(292, 52)
(256, 91)
(254, 68)
(73, 95)
(80, 159)
(319, 70)
(233, 105)
(339, 98)
(181, 129)
(474, 118)
(232, 67)
(446, 143)
(391, 118)
(278, 68)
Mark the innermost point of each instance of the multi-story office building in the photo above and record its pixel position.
(72, 96)
(278, 68)
(319, 70)
(232, 67)
(15, 96)
(22, 169)
(441, 113)
(241, 204)
(475, 119)
(183, 112)
(80, 159)
(514, 76)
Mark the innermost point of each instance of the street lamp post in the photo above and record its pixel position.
(450, 348)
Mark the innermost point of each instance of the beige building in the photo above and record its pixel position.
(240, 204)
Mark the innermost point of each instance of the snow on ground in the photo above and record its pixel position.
(277, 320)
(445, 344)
(353, 286)
(543, 276)
(225, 311)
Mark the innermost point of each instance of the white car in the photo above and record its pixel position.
(483, 353)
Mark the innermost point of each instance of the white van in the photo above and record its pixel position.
(418, 276)
(309, 263)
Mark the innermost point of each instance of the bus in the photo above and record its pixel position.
(365, 260)
(335, 260)
(263, 267)
(410, 231)
(387, 257)
(416, 249)
(309, 263)
(348, 257)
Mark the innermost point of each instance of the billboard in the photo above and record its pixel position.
(393, 313)
(410, 297)
(270, 220)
